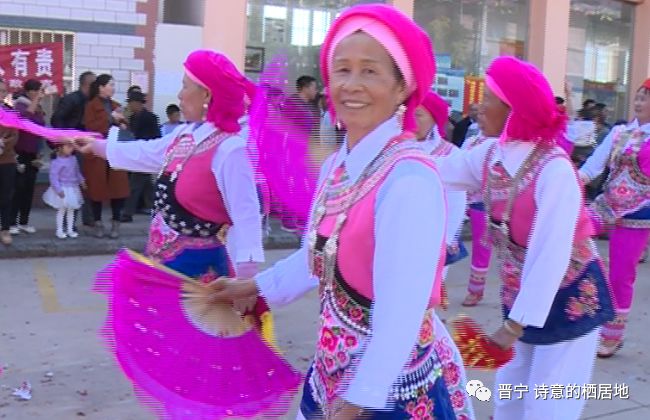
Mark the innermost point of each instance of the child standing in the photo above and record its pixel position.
(64, 193)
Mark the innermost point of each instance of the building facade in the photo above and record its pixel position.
(602, 47)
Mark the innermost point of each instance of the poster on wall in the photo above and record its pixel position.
(44, 62)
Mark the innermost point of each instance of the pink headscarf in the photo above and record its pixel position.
(646, 84)
(534, 115)
(439, 110)
(216, 73)
(408, 45)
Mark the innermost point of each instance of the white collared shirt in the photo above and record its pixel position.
(232, 171)
(409, 231)
(456, 200)
(558, 203)
(597, 162)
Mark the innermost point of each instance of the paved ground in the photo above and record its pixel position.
(48, 323)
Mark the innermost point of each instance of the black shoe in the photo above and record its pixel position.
(144, 212)
(126, 218)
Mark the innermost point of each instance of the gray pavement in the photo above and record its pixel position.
(48, 336)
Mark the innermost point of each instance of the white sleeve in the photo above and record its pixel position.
(234, 174)
(596, 163)
(558, 202)
(145, 156)
(463, 171)
(409, 210)
(456, 207)
(290, 278)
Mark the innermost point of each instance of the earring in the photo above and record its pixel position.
(338, 125)
(205, 111)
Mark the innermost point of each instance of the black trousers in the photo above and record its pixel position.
(24, 190)
(86, 208)
(116, 207)
(141, 187)
(7, 185)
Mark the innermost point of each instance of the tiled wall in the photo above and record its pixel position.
(108, 50)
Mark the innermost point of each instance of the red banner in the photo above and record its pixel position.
(474, 87)
(43, 62)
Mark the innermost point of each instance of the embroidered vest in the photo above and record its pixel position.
(626, 196)
(583, 301)
(189, 210)
(476, 196)
(341, 241)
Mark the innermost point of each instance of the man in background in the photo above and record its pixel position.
(145, 126)
(466, 127)
(173, 119)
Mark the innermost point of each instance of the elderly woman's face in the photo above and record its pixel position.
(492, 114)
(193, 100)
(425, 122)
(364, 84)
(642, 105)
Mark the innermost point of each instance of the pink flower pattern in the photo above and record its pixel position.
(422, 409)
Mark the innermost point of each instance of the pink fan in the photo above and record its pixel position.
(279, 145)
(187, 358)
(12, 119)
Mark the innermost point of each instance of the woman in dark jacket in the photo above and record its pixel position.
(8, 139)
(28, 156)
(104, 183)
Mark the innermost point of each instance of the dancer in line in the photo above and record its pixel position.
(205, 190)
(623, 206)
(377, 196)
(481, 249)
(554, 292)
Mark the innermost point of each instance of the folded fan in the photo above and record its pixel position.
(476, 347)
(188, 358)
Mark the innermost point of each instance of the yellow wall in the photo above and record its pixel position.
(224, 28)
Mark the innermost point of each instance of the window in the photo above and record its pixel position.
(296, 28)
(468, 35)
(186, 12)
(598, 59)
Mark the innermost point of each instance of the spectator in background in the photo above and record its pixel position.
(301, 110)
(173, 119)
(126, 111)
(302, 107)
(27, 148)
(600, 118)
(103, 182)
(8, 139)
(144, 125)
(466, 127)
(588, 104)
(69, 113)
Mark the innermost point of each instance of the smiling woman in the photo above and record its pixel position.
(381, 344)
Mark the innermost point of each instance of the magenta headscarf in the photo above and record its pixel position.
(408, 45)
(439, 110)
(534, 115)
(228, 87)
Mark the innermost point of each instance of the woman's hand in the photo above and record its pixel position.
(61, 194)
(508, 334)
(84, 144)
(230, 290)
(343, 410)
